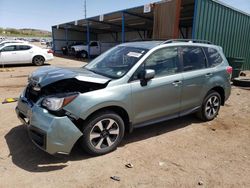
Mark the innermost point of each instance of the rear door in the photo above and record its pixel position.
(195, 75)
(24, 53)
(161, 96)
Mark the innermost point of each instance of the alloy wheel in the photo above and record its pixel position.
(212, 106)
(104, 133)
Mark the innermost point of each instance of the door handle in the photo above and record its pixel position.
(13, 53)
(177, 82)
(208, 74)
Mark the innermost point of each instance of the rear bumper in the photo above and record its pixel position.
(227, 91)
(48, 132)
(49, 58)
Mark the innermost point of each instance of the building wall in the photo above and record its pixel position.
(223, 26)
(129, 36)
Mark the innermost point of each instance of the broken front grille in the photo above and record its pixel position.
(31, 94)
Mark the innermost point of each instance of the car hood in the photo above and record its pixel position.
(47, 75)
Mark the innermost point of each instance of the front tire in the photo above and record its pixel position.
(210, 106)
(38, 60)
(103, 133)
(84, 54)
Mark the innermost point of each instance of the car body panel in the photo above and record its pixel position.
(87, 103)
(160, 97)
(48, 74)
(61, 134)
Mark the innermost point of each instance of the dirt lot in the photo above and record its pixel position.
(176, 153)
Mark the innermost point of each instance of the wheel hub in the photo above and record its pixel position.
(104, 133)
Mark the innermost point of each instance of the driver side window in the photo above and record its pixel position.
(9, 48)
(164, 62)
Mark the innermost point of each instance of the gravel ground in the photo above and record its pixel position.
(184, 152)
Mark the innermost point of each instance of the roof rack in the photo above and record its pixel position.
(187, 40)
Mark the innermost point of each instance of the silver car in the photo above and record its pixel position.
(131, 85)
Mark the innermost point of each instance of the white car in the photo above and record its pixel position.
(13, 53)
(95, 47)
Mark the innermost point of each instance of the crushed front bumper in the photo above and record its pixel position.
(50, 133)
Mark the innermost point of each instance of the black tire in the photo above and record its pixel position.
(93, 135)
(211, 105)
(38, 60)
(83, 54)
(242, 82)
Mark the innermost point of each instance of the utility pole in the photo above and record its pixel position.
(85, 9)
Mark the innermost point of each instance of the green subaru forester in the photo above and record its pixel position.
(129, 86)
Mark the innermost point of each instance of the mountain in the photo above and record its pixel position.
(26, 32)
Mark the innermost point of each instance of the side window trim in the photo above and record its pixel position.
(207, 63)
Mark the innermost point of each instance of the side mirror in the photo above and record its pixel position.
(146, 75)
(149, 74)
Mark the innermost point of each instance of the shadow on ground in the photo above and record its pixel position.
(28, 157)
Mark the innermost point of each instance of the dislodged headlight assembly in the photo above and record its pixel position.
(56, 103)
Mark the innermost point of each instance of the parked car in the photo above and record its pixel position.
(67, 50)
(131, 85)
(13, 53)
(95, 47)
(43, 41)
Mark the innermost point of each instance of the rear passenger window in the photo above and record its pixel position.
(24, 47)
(213, 57)
(193, 58)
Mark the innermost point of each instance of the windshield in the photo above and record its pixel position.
(116, 62)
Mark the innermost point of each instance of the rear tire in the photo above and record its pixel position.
(210, 106)
(103, 133)
(38, 60)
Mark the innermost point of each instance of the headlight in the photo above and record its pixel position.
(56, 103)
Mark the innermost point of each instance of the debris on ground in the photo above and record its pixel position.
(129, 165)
(161, 163)
(9, 100)
(200, 182)
(6, 70)
(116, 178)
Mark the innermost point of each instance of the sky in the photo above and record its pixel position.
(42, 14)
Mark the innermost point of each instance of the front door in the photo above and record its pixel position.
(161, 96)
(94, 48)
(8, 55)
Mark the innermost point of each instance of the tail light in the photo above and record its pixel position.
(229, 70)
(50, 51)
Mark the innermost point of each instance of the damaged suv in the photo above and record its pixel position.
(131, 85)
